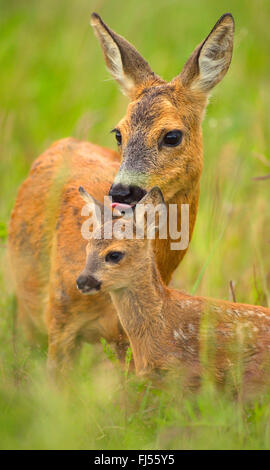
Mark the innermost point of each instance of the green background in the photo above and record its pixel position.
(53, 84)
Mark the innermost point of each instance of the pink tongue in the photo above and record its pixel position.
(120, 205)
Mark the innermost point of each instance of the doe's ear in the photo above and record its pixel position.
(124, 62)
(211, 59)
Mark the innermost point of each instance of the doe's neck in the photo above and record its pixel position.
(167, 259)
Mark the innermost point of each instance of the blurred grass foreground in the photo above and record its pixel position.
(53, 84)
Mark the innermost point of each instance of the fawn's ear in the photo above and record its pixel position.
(124, 62)
(154, 197)
(211, 59)
(99, 211)
(151, 213)
(94, 205)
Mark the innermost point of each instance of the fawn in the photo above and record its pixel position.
(167, 328)
(159, 142)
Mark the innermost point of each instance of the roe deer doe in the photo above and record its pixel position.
(167, 328)
(160, 143)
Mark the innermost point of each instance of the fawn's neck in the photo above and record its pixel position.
(139, 307)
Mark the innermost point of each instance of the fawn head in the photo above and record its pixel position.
(114, 263)
(159, 138)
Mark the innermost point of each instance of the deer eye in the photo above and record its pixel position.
(172, 138)
(118, 136)
(114, 257)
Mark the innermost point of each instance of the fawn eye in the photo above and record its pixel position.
(173, 138)
(118, 136)
(114, 257)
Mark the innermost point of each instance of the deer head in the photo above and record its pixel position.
(112, 263)
(159, 138)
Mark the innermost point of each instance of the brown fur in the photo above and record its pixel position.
(46, 248)
(168, 329)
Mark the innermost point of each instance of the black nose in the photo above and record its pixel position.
(126, 194)
(86, 283)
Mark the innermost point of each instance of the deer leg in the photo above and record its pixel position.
(62, 352)
(64, 343)
(35, 334)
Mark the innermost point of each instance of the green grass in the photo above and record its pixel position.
(53, 84)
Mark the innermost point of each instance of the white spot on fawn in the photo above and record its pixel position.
(179, 334)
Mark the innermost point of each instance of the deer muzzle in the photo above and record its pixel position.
(88, 284)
